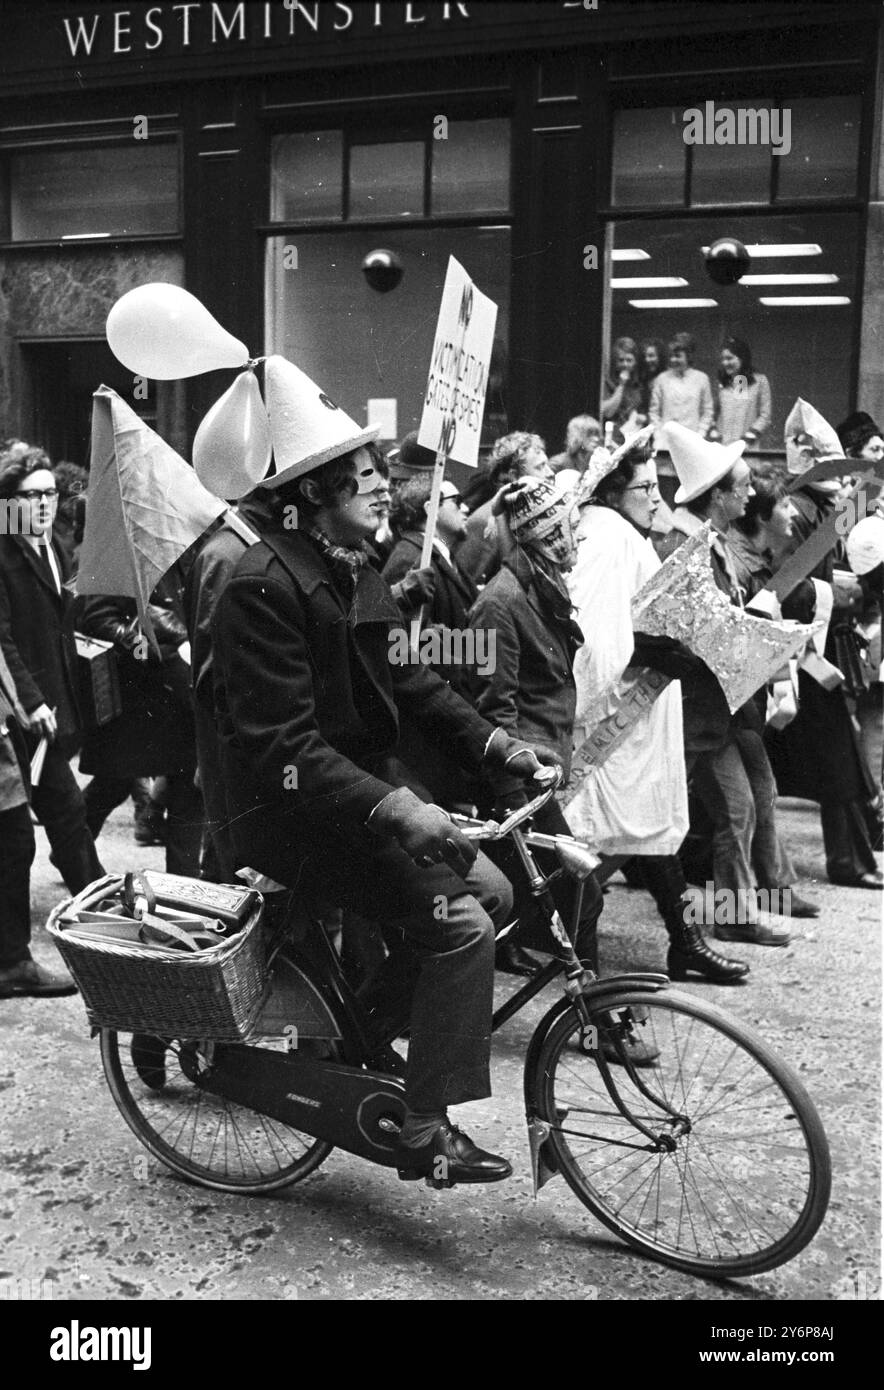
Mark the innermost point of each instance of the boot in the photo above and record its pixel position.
(687, 947)
(689, 951)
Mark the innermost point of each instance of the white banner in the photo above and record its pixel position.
(454, 403)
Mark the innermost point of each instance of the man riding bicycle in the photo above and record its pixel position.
(308, 697)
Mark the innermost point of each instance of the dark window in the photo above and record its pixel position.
(736, 151)
(316, 174)
(89, 191)
(387, 180)
(307, 178)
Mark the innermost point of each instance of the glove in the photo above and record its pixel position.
(424, 832)
(415, 588)
(510, 762)
(520, 759)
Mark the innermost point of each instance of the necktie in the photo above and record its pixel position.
(47, 561)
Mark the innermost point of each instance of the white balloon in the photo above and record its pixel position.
(164, 333)
(231, 450)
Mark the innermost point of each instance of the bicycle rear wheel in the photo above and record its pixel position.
(201, 1136)
(736, 1177)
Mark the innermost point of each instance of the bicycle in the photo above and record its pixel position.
(713, 1160)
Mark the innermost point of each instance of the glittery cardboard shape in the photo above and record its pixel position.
(683, 601)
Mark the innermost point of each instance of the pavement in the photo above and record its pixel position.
(87, 1213)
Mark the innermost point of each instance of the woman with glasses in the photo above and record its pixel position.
(635, 803)
(36, 634)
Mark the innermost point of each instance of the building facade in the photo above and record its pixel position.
(576, 158)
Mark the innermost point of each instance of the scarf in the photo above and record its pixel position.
(343, 562)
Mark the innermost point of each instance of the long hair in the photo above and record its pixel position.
(660, 347)
(331, 479)
(743, 351)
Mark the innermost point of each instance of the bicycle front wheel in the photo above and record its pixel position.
(201, 1136)
(734, 1178)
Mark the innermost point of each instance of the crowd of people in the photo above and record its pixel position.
(659, 383)
(274, 653)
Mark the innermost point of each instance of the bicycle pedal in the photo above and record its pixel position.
(411, 1175)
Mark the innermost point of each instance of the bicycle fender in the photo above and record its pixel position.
(596, 992)
(543, 1162)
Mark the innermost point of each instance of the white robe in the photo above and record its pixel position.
(636, 801)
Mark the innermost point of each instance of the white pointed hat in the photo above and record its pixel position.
(809, 439)
(307, 427)
(699, 463)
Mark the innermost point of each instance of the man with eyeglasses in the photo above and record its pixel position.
(36, 634)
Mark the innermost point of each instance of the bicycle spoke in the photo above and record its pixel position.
(728, 1184)
(202, 1134)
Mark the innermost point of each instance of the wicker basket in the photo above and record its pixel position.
(215, 993)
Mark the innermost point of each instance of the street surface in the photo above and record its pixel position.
(86, 1210)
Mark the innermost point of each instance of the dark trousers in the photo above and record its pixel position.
(441, 929)
(59, 807)
(104, 794)
(847, 842)
(184, 824)
(184, 816)
(17, 849)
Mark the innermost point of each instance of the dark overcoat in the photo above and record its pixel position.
(530, 692)
(819, 756)
(453, 597)
(37, 635)
(154, 734)
(308, 704)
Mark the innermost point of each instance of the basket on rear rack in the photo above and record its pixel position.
(136, 986)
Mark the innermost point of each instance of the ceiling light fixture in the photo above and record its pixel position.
(804, 301)
(650, 282)
(630, 253)
(673, 303)
(820, 279)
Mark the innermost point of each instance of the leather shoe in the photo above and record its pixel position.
(29, 978)
(791, 905)
(767, 930)
(874, 881)
(513, 959)
(450, 1157)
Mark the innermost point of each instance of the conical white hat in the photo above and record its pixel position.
(699, 463)
(307, 427)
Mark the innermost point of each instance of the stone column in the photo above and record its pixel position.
(870, 386)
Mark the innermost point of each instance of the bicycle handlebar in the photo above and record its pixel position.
(498, 830)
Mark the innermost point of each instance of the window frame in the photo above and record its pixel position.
(850, 78)
(389, 126)
(12, 145)
(741, 89)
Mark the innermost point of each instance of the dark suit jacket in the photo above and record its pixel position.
(530, 692)
(36, 633)
(308, 703)
(153, 735)
(452, 600)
